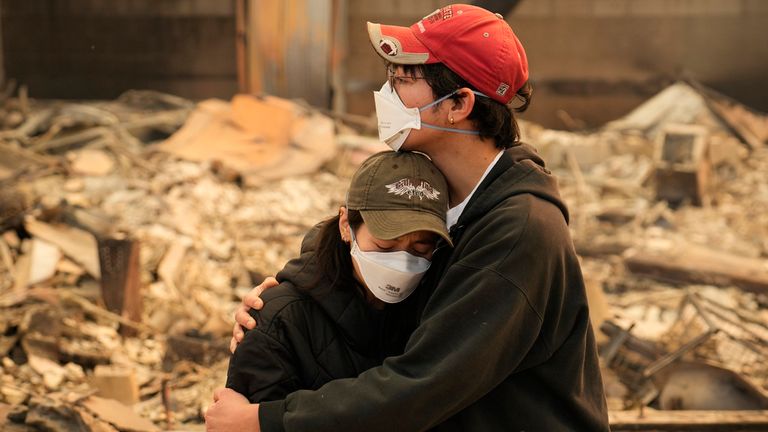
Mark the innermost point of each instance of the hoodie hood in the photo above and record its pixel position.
(520, 170)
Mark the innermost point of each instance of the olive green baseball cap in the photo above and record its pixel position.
(398, 193)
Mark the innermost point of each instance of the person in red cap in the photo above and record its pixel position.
(502, 338)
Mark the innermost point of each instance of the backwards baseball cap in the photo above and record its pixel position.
(473, 42)
(398, 193)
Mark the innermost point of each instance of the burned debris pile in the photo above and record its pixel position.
(129, 230)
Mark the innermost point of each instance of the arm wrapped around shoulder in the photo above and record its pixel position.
(262, 368)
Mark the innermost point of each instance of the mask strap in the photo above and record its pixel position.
(437, 101)
(462, 131)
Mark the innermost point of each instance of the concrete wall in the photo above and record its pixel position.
(100, 48)
(624, 50)
(597, 59)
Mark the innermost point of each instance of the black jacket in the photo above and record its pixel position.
(310, 332)
(503, 342)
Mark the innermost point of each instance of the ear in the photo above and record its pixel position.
(344, 224)
(462, 106)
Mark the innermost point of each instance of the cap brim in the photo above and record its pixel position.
(391, 224)
(398, 45)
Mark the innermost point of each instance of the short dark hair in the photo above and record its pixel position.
(491, 118)
(333, 253)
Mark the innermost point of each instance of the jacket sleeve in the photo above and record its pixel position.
(476, 329)
(262, 368)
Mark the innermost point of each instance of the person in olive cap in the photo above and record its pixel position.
(319, 326)
(503, 340)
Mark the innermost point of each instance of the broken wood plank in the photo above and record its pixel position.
(687, 263)
(77, 244)
(35, 121)
(96, 310)
(75, 139)
(653, 420)
(92, 220)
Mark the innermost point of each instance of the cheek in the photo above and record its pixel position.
(413, 97)
(420, 139)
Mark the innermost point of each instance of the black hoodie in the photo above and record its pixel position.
(311, 331)
(503, 341)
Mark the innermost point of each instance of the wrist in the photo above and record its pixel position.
(253, 418)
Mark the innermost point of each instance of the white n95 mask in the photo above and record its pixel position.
(390, 276)
(396, 120)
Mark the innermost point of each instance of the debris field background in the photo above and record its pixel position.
(129, 230)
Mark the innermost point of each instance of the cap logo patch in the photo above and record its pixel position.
(441, 14)
(413, 188)
(388, 47)
(502, 89)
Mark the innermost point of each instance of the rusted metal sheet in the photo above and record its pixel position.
(120, 278)
(289, 48)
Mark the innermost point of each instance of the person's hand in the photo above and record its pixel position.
(231, 411)
(242, 318)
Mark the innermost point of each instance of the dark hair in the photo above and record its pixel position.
(491, 118)
(333, 253)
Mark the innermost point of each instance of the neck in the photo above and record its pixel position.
(462, 160)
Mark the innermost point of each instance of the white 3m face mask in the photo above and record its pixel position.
(396, 120)
(390, 276)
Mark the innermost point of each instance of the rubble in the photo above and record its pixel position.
(657, 222)
(155, 244)
(261, 139)
(131, 228)
(682, 165)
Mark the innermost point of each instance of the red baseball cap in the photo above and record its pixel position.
(473, 42)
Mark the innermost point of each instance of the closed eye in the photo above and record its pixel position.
(383, 248)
